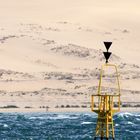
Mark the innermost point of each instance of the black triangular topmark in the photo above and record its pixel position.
(107, 45)
(107, 55)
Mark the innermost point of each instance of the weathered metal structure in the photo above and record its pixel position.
(106, 104)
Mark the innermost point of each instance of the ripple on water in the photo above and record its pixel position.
(64, 126)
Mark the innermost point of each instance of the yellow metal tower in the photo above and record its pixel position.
(106, 104)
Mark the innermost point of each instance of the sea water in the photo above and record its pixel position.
(64, 126)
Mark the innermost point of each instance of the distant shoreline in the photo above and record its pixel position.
(57, 110)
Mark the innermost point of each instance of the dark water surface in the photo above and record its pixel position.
(63, 126)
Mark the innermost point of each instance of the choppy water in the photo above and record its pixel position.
(63, 126)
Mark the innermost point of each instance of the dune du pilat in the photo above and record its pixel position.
(51, 53)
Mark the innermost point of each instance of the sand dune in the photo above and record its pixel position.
(51, 51)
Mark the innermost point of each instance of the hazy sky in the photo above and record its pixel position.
(72, 10)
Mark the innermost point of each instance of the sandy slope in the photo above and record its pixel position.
(51, 51)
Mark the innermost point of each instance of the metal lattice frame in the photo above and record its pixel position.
(105, 108)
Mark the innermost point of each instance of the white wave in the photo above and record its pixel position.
(86, 122)
(61, 116)
(5, 125)
(33, 118)
(88, 114)
(137, 119)
(130, 123)
(125, 114)
(116, 124)
(137, 115)
(54, 117)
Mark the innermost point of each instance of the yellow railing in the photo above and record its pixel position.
(114, 105)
